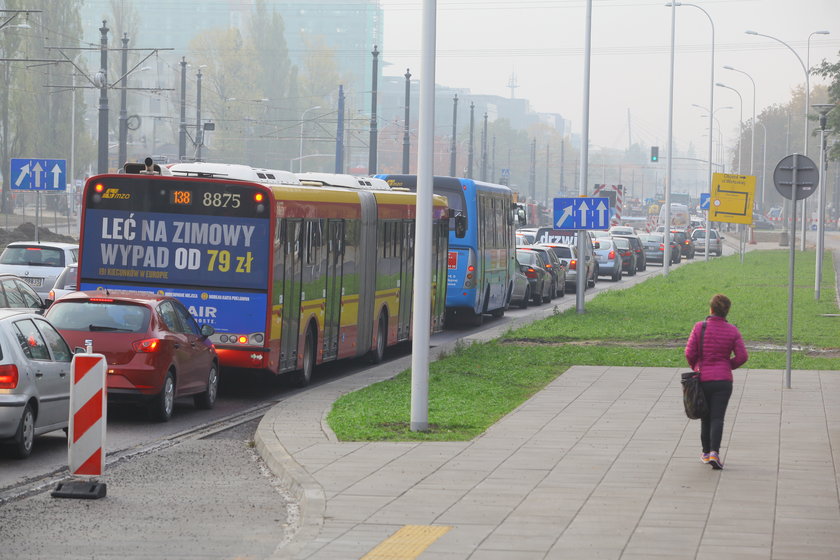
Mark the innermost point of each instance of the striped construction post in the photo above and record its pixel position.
(86, 433)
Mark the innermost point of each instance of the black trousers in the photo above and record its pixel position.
(711, 425)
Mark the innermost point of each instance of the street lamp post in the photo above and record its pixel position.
(807, 105)
(752, 139)
(763, 163)
(740, 120)
(300, 159)
(823, 109)
(711, 107)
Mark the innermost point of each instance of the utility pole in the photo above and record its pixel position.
(493, 161)
(547, 168)
(563, 166)
(102, 82)
(452, 150)
(339, 133)
(123, 150)
(406, 143)
(484, 150)
(471, 150)
(199, 131)
(373, 129)
(182, 130)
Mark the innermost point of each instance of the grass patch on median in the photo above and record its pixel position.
(646, 325)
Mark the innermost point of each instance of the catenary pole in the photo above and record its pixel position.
(421, 322)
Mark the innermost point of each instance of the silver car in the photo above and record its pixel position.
(38, 263)
(715, 241)
(34, 380)
(64, 284)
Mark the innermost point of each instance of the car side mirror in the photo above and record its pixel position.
(207, 330)
(596, 245)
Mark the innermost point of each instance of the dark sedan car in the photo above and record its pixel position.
(531, 263)
(636, 244)
(628, 255)
(654, 244)
(685, 242)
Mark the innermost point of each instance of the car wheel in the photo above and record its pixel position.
(497, 313)
(616, 276)
(632, 271)
(536, 298)
(207, 399)
(164, 403)
(525, 299)
(25, 434)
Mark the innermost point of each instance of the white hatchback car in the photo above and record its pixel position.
(38, 263)
(34, 379)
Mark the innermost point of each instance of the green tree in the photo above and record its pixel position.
(831, 71)
(228, 90)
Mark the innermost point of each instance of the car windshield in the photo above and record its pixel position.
(33, 256)
(621, 243)
(652, 238)
(99, 316)
(604, 245)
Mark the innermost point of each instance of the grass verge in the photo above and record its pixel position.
(646, 325)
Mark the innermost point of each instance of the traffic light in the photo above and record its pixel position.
(654, 154)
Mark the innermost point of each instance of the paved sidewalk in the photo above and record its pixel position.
(600, 464)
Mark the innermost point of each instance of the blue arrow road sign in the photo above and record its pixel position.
(582, 213)
(704, 200)
(39, 174)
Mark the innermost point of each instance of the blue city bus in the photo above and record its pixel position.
(481, 259)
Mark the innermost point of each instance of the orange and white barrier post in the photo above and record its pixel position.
(86, 433)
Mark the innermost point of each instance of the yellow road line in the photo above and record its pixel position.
(407, 543)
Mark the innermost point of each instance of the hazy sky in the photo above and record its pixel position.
(481, 43)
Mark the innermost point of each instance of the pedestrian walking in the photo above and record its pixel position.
(722, 351)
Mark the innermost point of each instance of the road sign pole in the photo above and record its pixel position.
(789, 345)
(37, 214)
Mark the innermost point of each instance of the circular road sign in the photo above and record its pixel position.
(807, 177)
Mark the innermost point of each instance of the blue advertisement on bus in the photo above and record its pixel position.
(159, 248)
(227, 312)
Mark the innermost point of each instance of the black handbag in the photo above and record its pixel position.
(693, 398)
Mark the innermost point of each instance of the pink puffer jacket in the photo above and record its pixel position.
(716, 360)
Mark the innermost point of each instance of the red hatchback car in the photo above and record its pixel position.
(155, 350)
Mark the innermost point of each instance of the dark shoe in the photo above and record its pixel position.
(715, 461)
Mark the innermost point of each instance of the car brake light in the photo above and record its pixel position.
(101, 300)
(661, 246)
(686, 241)
(52, 294)
(8, 376)
(611, 255)
(572, 264)
(243, 339)
(530, 272)
(148, 345)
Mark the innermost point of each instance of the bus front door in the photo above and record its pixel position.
(291, 295)
(332, 311)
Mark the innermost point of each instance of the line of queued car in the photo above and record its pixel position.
(155, 350)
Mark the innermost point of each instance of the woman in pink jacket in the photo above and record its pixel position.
(723, 350)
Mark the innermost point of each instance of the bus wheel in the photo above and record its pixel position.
(500, 312)
(376, 355)
(477, 319)
(304, 376)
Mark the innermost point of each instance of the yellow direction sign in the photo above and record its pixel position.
(732, 198)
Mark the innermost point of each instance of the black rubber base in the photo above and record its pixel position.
(79, 489)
